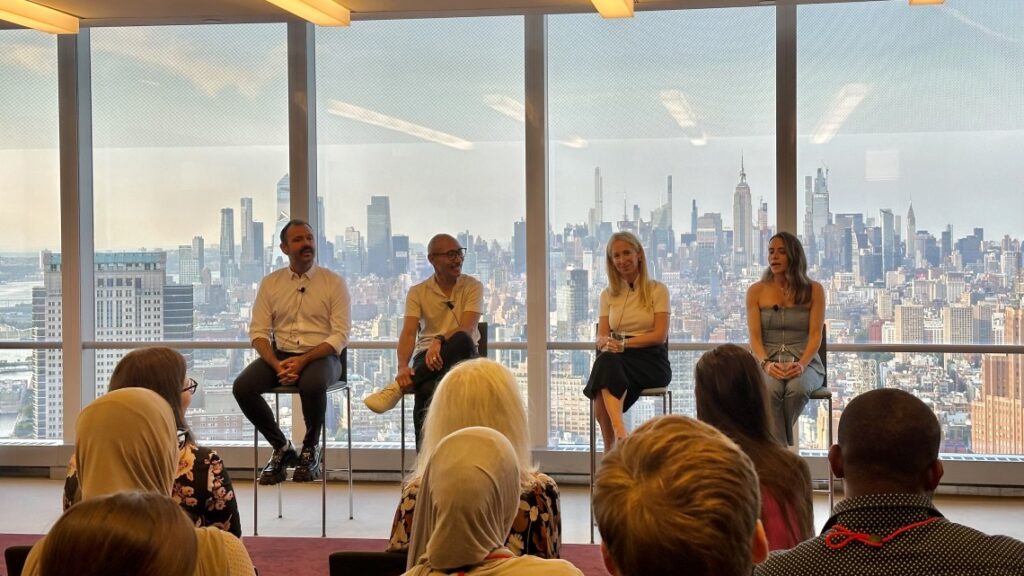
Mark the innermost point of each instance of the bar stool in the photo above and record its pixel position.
(481, 349)
(825, 395)
(341, 384)
(666, 408)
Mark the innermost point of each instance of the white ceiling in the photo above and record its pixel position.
(157, 12)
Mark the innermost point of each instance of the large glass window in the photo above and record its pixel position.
(191, 161)
(422, 137)
(907, 153)
(662, 125)
(30, 391)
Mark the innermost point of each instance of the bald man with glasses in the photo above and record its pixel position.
(440, 330)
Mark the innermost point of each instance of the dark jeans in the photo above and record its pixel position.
(424, 380)
(258, 378)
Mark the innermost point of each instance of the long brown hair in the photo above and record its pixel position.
(731, 397)
(796, 273)
(159, 369)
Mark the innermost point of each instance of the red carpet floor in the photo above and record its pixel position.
(308, 556)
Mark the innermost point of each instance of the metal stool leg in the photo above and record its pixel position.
(593, 466)
(401, 456)
(348, 412)
(831, 479)
(277, 417)
(255, 480)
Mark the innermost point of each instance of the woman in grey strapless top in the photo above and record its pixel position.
(785, 314)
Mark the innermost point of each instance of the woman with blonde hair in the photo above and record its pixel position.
(785, 315)
(482, 392)
(136, 533)
(201, 484)
(631, 337)
(469, 497)
(128, 441)
(731, 397)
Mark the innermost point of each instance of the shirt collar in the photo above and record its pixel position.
(437, 287)
(874, 502)
(309, 273)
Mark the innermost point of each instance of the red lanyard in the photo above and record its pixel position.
(840, 535)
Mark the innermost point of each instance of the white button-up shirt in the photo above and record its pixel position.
(297, 312)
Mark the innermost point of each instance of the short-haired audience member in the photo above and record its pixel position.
(127, 441)
(136, 533)
(202, 485)
(785, 315)
(482, 392)
(468, 500)
(631, 333)
(678, 497)
(888, 455)
(730, 396)
(439, 330)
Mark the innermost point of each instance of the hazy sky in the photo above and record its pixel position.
(189, 119)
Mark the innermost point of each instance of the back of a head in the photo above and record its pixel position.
(126, 440)
(155, 368)
(477, 392)
(888, 439)
(467, 500)
(128, 533)
(678, 493)
(729, 393)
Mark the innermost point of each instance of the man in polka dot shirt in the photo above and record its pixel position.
(888, 455)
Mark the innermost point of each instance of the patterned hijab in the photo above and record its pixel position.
(466, 503)
(127, 441)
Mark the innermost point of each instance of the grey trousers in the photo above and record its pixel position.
(786, 400)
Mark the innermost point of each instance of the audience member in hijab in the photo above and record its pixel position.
(482, 392)
(137, 533)
(127, 441)
(467, 501)
(201, 485)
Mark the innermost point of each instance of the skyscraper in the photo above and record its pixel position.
(284, 204)
(597, 212)
(378, 237)
(911, 238)
(228, 271)
(519, 247)
(400, 256)
(742, 223)
(132, 303)
(888, 226)
(997, 414)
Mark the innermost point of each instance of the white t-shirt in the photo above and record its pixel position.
(439, 314)
(625, 313)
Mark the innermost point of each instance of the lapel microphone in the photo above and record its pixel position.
(303, 290)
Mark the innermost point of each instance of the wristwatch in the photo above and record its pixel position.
(765, 362)
(440, 337)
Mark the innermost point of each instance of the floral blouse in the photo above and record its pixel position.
(201, 486)
(536, 530)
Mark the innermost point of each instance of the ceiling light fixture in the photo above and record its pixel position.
(508, 106)
(614, 8)
(38, 17)
(924, 2)
(353, 112)
(319, 12)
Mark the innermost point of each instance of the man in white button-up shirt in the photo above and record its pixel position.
(300, 325)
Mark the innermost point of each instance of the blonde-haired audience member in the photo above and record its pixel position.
(482, 392)
(468, 499)
(127, 441)
(677, 496)
(137, 533)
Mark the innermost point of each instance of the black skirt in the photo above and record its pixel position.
(626, 374)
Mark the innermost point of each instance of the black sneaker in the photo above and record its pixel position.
(308, 468)
(275, 470)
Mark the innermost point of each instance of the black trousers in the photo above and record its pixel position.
(258, 378)
(424, 380)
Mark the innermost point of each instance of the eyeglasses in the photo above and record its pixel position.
(451, 254)
(191, 387)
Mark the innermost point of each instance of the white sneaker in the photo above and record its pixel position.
(384, 400)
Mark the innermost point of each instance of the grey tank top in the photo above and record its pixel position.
(784, 334)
